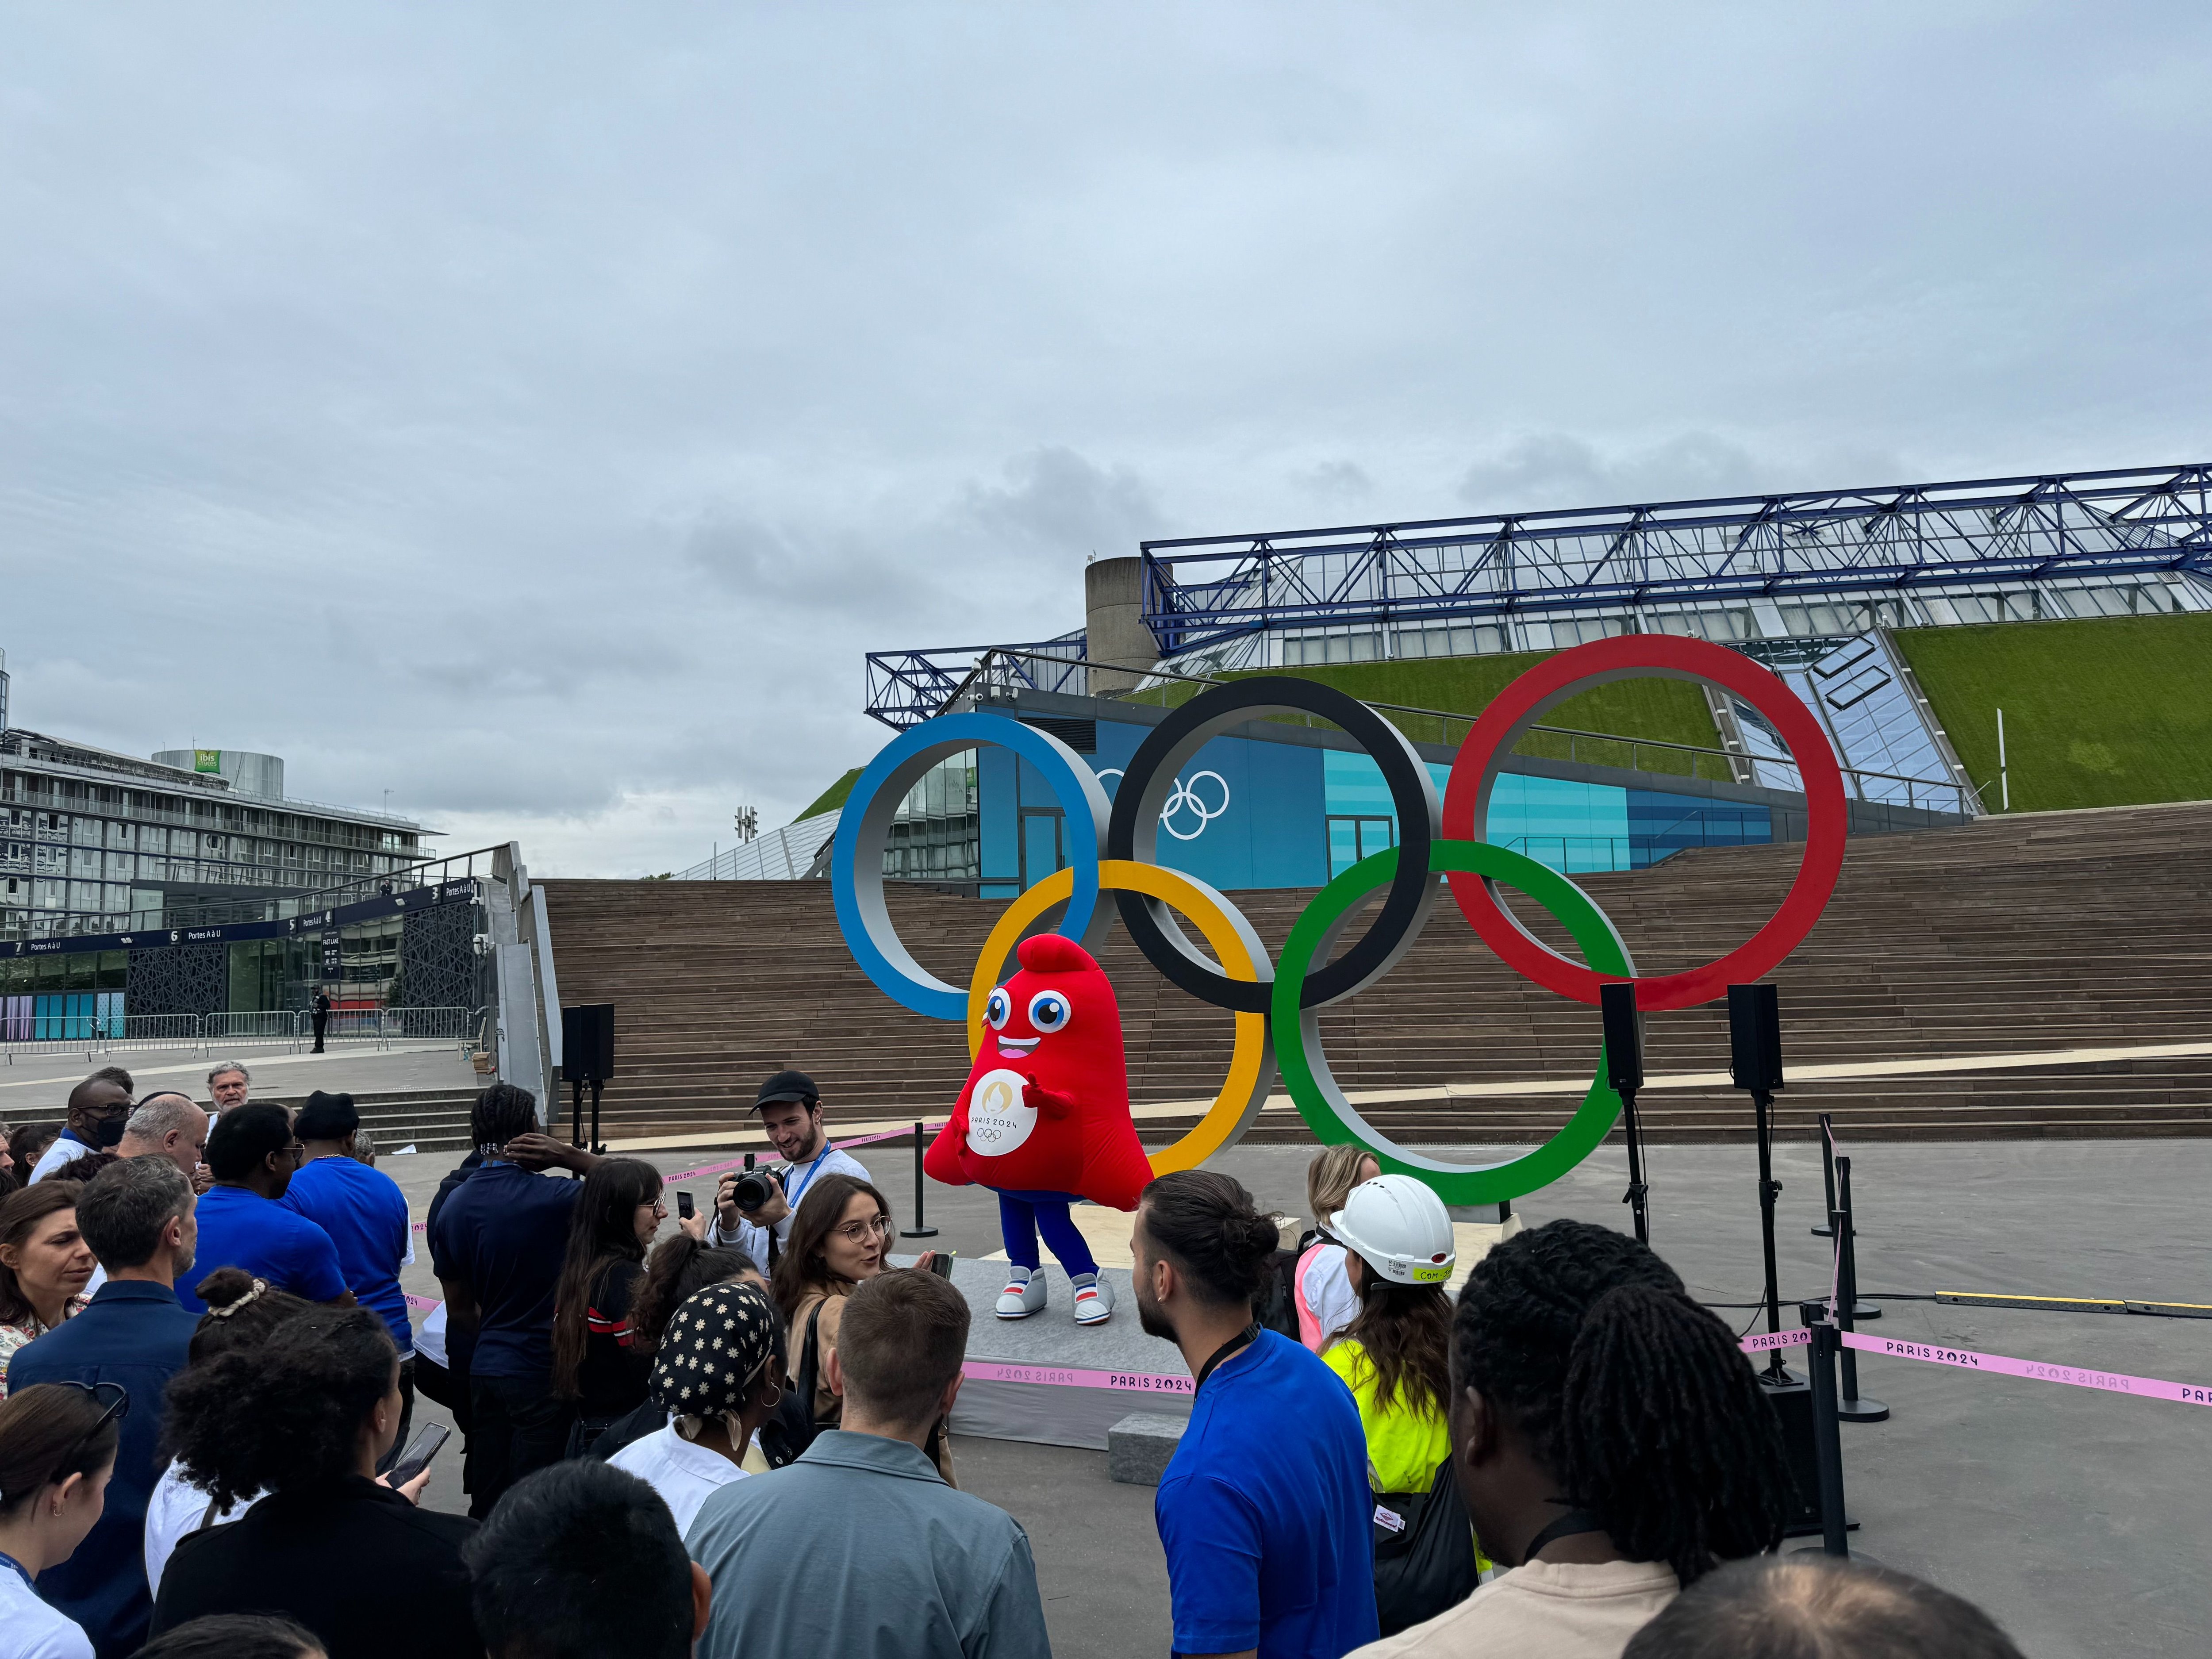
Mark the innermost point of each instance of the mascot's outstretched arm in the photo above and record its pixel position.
(942, 1162)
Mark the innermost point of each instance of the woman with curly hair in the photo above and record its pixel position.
(1610, 1441)
(305, 1416)
(242, 1310)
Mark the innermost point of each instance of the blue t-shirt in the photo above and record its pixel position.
(365, 1213)
(1265, 1514)
(241, 1229)
(504, 1233)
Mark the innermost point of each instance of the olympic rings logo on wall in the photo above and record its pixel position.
(1114, 848)
(1186, 798)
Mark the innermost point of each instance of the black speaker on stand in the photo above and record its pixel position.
(587, 1055)
(1624, 1070)
(1755, 1066)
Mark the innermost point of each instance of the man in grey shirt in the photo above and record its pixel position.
(860, 1549)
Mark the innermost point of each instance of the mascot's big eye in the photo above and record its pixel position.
(1050, 1012)
(997, 1009)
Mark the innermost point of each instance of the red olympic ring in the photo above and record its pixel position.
(1661, 656)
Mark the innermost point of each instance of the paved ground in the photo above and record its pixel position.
(34, 1087)
(2077, 1517)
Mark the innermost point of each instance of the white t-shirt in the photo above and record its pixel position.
(174, 1509)
(752, 1240)
(682, 1473)
(64, 1151)
(430, 1336)
(29, 1629)
(1327, 1291)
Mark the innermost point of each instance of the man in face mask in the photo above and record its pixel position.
(98, 1108)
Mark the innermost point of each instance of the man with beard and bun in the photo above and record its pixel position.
(1264, 1510)
(138, 1216)
(98, 1108)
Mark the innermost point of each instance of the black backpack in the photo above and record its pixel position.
(1276, 1307)
(793, 1429)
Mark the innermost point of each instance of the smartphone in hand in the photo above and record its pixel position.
(420, 1450)
(685, 1209)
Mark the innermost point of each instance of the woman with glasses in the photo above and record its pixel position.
(305, 1415)
(610, 1228)
(45, 1264)
(58, 1444)
(841, 1236)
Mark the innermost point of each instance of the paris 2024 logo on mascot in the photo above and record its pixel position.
(1044, 1121)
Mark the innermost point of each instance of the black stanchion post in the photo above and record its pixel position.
(917, 1231)
(1624, 1063)
(1827, 1171)
(599, 1147)
(1828, 1441)
(1852, 1407)
(1755, 1064)
(576, 1113)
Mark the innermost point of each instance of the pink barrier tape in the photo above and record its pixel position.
(1069, 1377)
(1997, 1364)
(415, 1301)
(2080, 1376)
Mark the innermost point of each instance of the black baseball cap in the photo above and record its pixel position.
(326, 1117)
(786, 1085)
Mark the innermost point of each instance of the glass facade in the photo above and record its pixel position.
(936, 834)
(95, 842)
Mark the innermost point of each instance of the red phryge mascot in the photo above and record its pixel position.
(1044, 1120)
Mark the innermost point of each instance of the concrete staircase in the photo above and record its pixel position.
(2010, 936)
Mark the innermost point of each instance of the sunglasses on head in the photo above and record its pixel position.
(118, 1406)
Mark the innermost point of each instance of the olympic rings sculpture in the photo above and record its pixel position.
(1276, 1005)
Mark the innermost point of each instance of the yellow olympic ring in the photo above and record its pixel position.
(1251, 1063)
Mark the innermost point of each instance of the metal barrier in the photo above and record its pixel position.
(264, 1024)
(261, 1029)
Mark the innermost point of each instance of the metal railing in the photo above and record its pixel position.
(287, 1029)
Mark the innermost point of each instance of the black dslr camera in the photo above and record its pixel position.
(750, 1190)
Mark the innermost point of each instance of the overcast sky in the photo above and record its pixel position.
(536, 410)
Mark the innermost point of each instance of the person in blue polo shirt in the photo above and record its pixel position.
(138, 1216)
(1264, 1510)
(498, 1245)
(365, 1213)
(253, 1153)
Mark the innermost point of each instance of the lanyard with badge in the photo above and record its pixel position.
(792, 1195)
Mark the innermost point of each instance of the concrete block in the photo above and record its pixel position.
(1139, 1446)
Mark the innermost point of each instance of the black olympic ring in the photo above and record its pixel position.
(1133, 833)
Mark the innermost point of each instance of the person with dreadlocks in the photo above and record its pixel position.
(497, 1246)
(1611, 1443)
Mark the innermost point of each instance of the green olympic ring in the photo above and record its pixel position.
(1305, 1071)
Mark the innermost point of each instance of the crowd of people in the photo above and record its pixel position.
(730, 1438)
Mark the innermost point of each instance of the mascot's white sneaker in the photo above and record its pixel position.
(1023, 1295)
(1094, 1300)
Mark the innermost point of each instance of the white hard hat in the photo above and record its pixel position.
(1398, 1227)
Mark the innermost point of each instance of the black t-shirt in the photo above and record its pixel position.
(611, 1379)
(363, 1569)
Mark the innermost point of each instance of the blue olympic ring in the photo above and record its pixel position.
(864, 826)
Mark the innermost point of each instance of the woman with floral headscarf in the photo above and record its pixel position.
(719, 1373)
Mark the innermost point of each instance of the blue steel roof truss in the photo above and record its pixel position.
(1206, 589)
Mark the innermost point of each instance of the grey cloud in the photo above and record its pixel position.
(541, 411)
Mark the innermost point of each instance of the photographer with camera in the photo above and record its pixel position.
(753, 1207)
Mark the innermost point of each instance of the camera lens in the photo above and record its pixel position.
(750, 1190)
